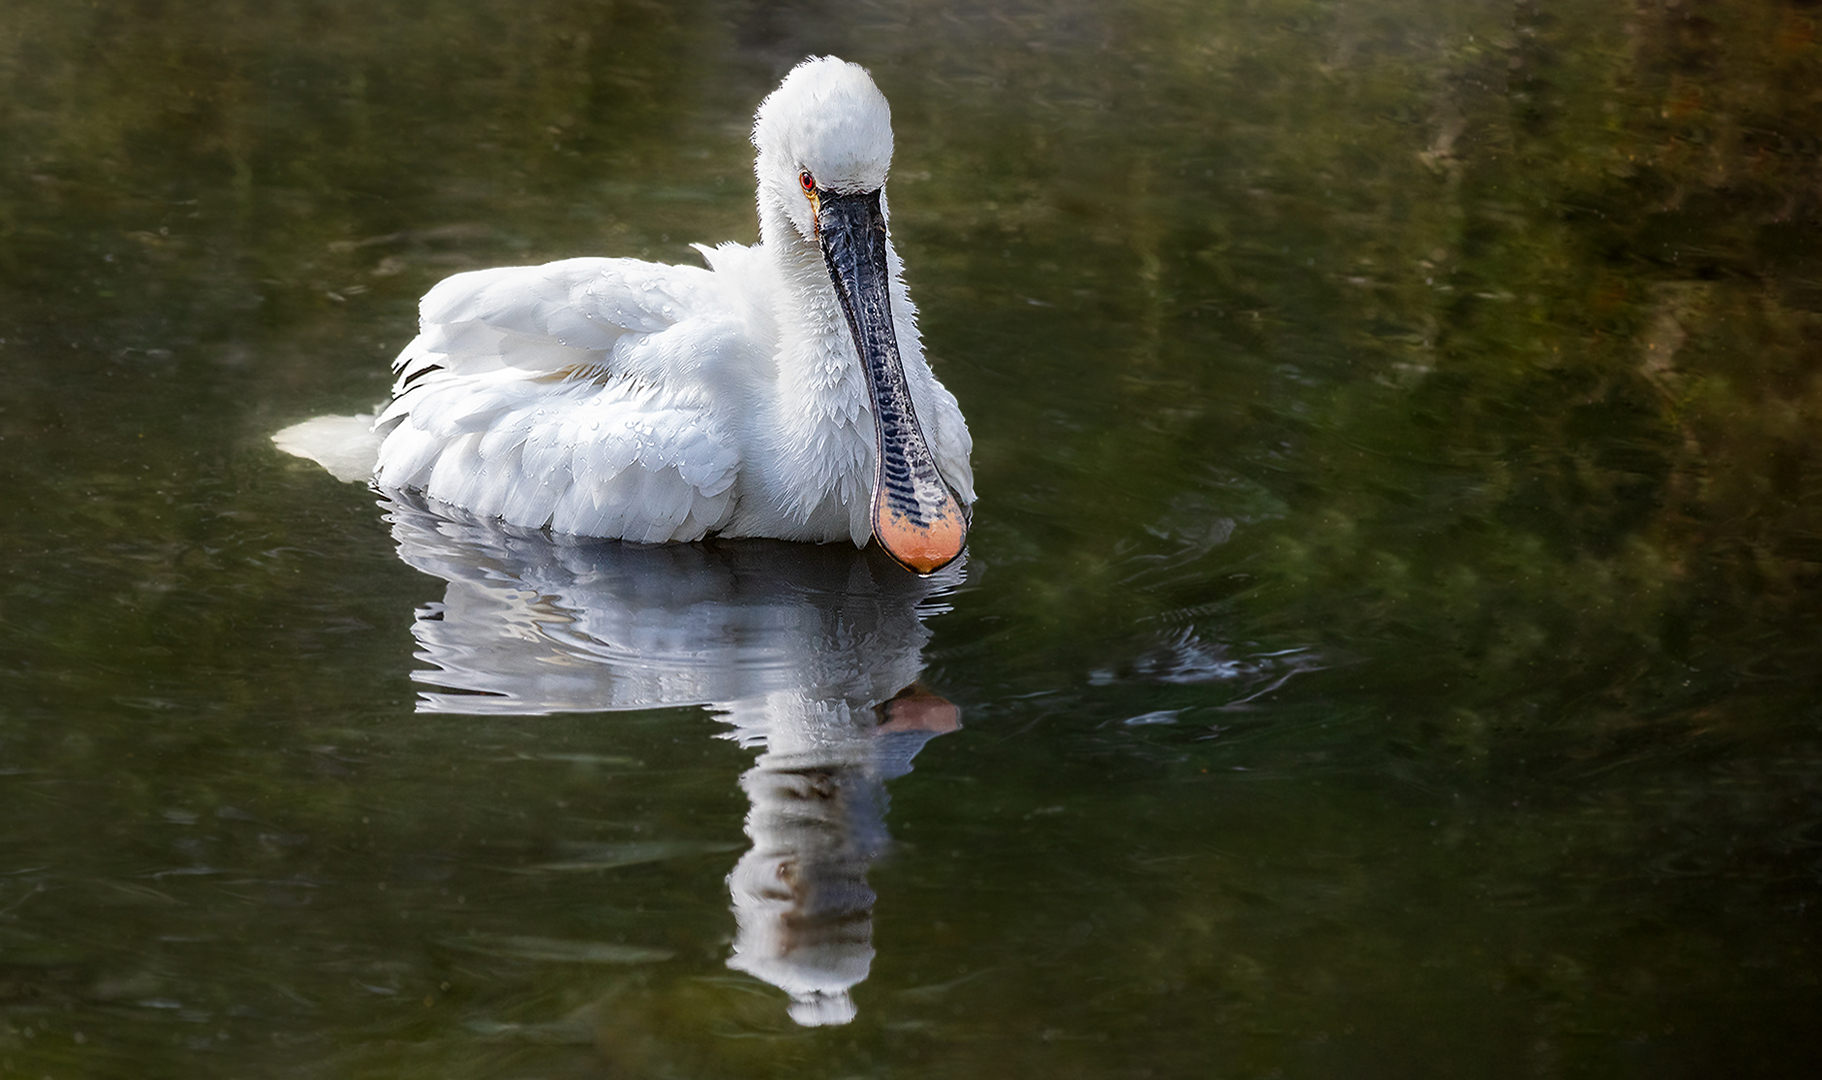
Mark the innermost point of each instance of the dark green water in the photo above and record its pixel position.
(1389, 645)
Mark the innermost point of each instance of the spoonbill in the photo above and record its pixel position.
(782, 392)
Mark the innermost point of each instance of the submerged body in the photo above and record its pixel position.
(781, 393)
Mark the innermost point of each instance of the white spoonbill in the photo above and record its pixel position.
(782, 393)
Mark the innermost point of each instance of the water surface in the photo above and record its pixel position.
(1387, 645)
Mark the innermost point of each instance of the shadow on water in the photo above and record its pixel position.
(810, 654)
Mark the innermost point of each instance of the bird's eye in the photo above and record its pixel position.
(808, 182)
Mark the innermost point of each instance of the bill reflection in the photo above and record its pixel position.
(810, 654)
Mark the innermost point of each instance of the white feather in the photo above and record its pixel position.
(619, 398)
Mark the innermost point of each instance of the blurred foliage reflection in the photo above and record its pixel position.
(1390, 638)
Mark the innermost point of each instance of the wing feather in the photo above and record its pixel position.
(579, 396)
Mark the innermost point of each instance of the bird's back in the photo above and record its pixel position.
(597, 397)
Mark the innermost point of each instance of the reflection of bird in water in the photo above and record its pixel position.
(810, 653)
(781, 393)
(800, 893)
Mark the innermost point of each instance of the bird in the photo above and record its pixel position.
(780, 392)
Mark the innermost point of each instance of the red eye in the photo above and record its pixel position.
(808, 182)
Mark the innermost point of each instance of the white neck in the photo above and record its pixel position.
(822, 420)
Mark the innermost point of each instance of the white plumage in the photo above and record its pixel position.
(624, 399)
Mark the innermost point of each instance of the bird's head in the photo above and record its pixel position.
(826, 130)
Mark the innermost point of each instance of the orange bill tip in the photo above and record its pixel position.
(922, 547)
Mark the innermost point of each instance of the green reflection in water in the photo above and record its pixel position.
(1389, 643)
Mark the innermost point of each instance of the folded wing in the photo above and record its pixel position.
(548, 396)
